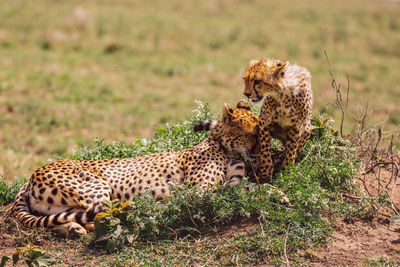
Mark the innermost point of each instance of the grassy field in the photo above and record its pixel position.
(71, 71)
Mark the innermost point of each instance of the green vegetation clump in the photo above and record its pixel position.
(314, 185)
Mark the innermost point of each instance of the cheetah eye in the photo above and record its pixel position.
(256, 82)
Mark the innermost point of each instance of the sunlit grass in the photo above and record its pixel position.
(71, 71)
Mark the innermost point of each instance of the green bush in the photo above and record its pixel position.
(188, 212)
(313, 185)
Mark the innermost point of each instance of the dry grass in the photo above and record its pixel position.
(71, 71)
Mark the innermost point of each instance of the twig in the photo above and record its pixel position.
(377, 142)
(323, 171)
(390, 149)
(337, 87)
(190, 215)
(255, 175)
(190, 256)
(285, 199)
(284, 246)
(348, 90)
(173, 231)
(351, 196)
(365, 187)
(8, 212)
(16, 226)
(381, 163)
(395, 171)
(252, 167)
(212, 254)
(363, 120)
(394, 183)
(262, 228)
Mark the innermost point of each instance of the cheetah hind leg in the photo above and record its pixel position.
(70, 230)
(73, 229)
(97, 190)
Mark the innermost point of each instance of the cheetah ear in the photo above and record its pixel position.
(227, 112)
(243, 104)
(280, 68)
(252, 62)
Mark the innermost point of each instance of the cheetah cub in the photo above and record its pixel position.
(285, 93)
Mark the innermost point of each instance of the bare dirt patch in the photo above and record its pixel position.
(356, 240)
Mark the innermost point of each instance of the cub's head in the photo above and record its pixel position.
(236, 130)
(264, 77)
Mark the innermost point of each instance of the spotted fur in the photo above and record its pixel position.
(67, 194)
(285, 93)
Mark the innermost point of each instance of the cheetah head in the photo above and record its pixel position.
(264, 77)
(236, 130)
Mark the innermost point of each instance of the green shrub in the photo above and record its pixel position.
(188, 212)
(314, 184)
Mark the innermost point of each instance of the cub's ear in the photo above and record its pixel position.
(280, 68)
(252, 62)
(243, 105)
(227, 112)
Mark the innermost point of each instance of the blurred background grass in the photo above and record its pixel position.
(71, 71)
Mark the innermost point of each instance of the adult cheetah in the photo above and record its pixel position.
(67, 194)
(285, 91)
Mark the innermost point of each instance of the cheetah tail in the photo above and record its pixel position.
(23, 214)
(204, 126)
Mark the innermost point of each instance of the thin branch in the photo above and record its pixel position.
(247, 154)
(363, 120)
(377, 142)
(285, 247)
(348, 90)
(212, 254)
(190, 215)
(337, 88)
(351, 196)
(380, 163)
(323, 171)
